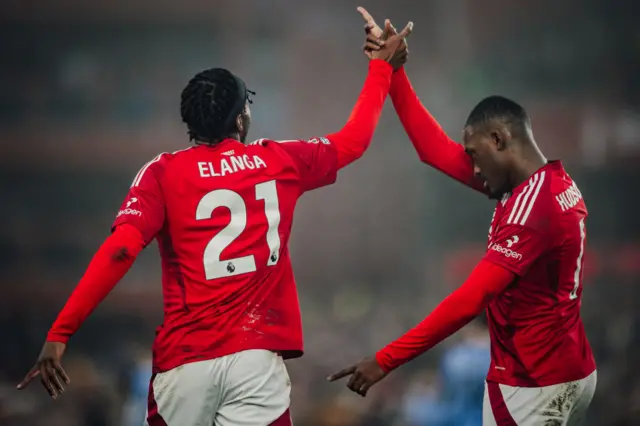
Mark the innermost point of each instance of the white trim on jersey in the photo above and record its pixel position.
(529, 196)
(533, 199)
(180, 150)
(138, 178)
(144, 168)
(516, 205)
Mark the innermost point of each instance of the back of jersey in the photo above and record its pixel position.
(223, 238)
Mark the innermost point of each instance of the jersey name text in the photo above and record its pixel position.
(229, 165)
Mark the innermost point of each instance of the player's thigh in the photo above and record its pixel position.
(557, 405)
(586, 391)
(187, 395)
(257, 391)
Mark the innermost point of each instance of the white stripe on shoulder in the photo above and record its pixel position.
(525, 199)
(516, 205)
(182, 150)
(533, 199)
(143, 170)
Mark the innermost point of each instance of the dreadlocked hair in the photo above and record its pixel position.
(210, 104)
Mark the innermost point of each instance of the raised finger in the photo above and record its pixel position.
(366, 15)
(386, 32)
(29, 377)
(406, 32)
(342, 373)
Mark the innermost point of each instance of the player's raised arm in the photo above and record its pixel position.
(433, 145)
(354, 138)
(319, 159)
(137, 222)
(459, 308)
(431, 142)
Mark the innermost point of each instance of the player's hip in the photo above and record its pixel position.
(248, 387)
(539, 367)
(562, 404)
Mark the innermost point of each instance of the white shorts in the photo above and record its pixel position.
(249, 388)
(557, 405)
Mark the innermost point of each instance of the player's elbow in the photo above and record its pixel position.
(347, 156)
(124, 244)
(122, 254)
(473, 304)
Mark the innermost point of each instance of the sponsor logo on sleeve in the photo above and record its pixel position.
(321, 140)
(508, 251)
(128, 210)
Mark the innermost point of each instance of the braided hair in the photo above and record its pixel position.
(210, 104)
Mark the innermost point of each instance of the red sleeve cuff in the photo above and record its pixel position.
(56, 337)
(384, 361)
(379, 64)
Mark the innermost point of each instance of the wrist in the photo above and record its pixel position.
(380, 64)
(384, 361)
(400, 71)
(52, 336)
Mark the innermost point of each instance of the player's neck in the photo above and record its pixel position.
(530, 162)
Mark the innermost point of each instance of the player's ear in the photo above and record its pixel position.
(500, 136)
(240, 123)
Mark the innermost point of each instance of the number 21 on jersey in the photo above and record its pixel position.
(214, 267)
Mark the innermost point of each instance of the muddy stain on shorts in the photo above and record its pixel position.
(560, 405)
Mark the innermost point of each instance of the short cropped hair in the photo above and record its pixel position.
(498, 108)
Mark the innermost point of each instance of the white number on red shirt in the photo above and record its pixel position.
(214, 267)
(579, 263)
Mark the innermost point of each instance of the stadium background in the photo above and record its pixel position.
(90, 93)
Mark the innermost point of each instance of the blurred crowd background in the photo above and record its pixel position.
(90, 92)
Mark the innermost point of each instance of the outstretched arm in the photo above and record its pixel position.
(485, 282)
(433, 145)
(111, 262)
(137, 223)
(453, 313)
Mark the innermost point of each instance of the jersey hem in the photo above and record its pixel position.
(532, 383)
(286, 353)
